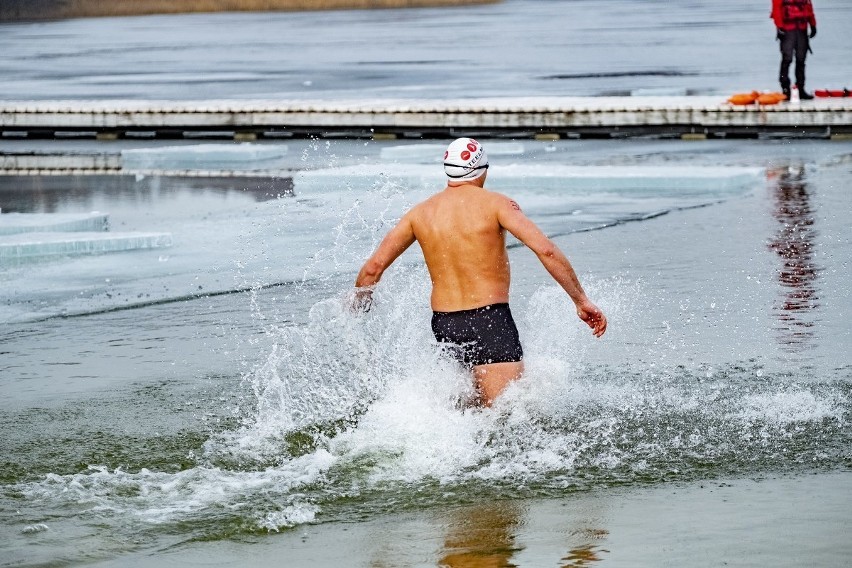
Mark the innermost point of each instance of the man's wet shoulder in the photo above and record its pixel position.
(501, 200)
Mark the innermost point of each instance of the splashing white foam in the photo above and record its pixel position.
(350, 404)
(376, 407)
(289, 517)
(789, 406)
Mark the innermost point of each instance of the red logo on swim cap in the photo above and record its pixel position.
(465, 155)
(447, 153)
(471, 146)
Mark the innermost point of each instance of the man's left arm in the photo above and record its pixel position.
(394, 244)
(510, 217)
(812, 20)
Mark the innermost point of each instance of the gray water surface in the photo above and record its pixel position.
(512, 48)
(213, 392)
(133, 426)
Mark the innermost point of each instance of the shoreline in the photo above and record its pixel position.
(775, 520)
(22, 10)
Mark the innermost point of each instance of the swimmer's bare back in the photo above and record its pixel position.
(462, 232)
(464, 246)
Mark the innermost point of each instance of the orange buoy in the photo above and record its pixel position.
(771, 98)
(743, 98)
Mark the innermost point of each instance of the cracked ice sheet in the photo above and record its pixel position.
(228, 241)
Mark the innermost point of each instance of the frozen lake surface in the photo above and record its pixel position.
(512, 48)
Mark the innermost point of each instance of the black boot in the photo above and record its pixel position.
(804, 95)
(784, 77)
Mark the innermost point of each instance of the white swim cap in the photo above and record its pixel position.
(465, 159)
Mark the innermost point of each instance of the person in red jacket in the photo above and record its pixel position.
(792, 19)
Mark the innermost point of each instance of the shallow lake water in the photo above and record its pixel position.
(219, 389)
(214, 400)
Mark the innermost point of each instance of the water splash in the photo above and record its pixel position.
(351, 415)
(358, 414)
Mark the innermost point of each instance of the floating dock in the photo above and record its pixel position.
(533, 117)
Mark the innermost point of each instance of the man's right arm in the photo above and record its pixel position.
(812, 21)
(514, 220)
(394, 244)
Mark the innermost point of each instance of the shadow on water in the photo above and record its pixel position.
(794, 242)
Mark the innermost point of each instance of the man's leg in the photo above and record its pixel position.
(787, 44)
(492, 379)
(801, 54)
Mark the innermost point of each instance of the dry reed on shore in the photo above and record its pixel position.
(54, 9)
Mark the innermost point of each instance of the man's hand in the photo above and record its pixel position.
(779, 34)
(593, 316)
(361, 300)
(813, 32)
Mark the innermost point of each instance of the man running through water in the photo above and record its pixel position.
(462, 232)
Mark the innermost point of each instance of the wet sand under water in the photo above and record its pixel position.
(781, 521)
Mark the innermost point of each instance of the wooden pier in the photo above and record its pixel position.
(532, 117)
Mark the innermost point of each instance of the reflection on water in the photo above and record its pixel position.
(583, 555)
(52, 194)
(794, 243)
(487, 536)
(482, 537)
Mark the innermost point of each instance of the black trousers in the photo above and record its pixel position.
(795, 43)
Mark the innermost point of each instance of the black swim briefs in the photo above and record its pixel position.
(479, 336)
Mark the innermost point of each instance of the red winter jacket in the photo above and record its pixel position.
(793, 14)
